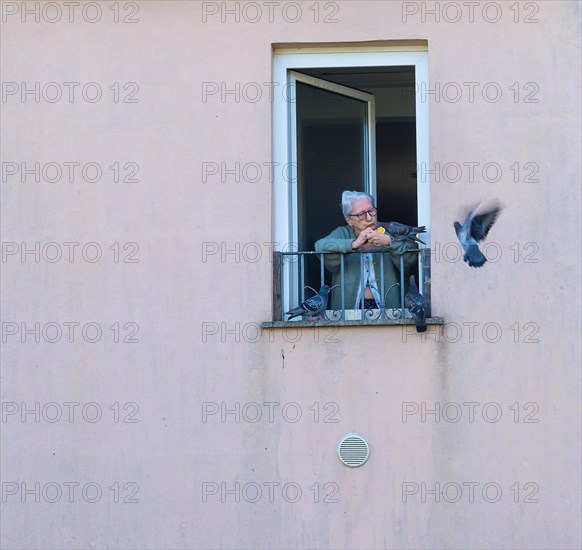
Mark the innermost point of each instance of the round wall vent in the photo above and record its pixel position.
(353, 450)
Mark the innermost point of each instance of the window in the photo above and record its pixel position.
(348, 119)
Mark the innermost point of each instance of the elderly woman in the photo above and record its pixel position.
(360, 235)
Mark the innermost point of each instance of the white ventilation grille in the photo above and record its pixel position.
(353, 450)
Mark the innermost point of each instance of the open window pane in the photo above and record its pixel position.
(333, 147)
(330, 158)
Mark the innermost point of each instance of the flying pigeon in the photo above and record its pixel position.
(314, 306)
(474, 229)
(401, 232)
(414, 302)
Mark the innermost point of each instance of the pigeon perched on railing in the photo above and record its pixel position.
(414, 302)
(314, 306)
(402, 232)
(474, 229)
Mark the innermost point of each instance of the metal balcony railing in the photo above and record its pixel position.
(290, 282)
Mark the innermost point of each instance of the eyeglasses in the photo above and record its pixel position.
(362, 215)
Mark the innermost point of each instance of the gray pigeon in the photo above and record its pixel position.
(474, 229)
(314, 306)
(414, 302)
(401, 232)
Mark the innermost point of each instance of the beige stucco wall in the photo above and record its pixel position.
(360, 376)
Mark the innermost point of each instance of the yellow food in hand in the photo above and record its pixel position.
(380, 230)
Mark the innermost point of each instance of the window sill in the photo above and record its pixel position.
(353, 323)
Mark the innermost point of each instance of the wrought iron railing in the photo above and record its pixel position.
(290, 293)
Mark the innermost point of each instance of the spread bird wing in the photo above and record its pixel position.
(482, 223)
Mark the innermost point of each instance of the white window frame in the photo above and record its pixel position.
(284, 181)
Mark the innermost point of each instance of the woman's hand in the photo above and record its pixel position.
(380, 239)
(363, 238)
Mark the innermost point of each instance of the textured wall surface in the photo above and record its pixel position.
(173, 467)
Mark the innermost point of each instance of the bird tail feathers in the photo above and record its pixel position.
(474, 257)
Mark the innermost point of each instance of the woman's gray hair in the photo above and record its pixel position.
(348, 198)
